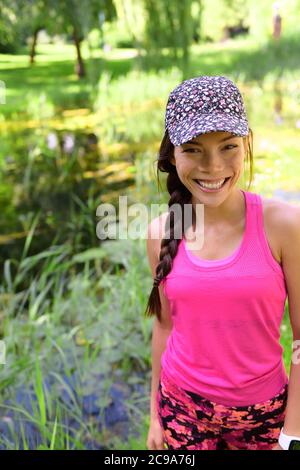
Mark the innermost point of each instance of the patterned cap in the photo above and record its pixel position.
(205, 104)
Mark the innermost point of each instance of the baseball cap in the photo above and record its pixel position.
(205, 104)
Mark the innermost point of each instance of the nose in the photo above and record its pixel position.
(213, 163)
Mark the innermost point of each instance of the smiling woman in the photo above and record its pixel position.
(209, 162)
(223, 350)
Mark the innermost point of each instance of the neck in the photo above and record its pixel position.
(231, 211)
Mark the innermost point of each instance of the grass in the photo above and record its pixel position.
(62, 304)
(54, 74)
(81, 318)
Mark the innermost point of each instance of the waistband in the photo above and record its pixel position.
(173, 388)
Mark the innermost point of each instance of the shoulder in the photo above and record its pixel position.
(155, 233)
(286, 219)
(283, 218)
(280, 211)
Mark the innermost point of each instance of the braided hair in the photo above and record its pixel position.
(181, 196)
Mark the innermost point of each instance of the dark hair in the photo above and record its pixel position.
(179, 194)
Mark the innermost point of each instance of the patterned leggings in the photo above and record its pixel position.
(190, 421)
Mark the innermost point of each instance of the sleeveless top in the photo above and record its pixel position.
(224, 344)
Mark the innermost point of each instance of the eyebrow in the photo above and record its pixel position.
(193, 142)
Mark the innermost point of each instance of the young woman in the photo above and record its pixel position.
(218, 377)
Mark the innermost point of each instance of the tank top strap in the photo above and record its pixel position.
(252, 209)
(252, 234)
(257, 231)
(254, 219)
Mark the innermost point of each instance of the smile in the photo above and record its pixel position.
(212, 187)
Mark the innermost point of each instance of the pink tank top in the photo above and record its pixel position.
(226, 314)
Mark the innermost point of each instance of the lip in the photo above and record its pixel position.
(213, 180)
(206, 190)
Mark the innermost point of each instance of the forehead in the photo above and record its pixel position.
(211, 136)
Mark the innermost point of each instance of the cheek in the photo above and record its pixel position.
(237, 163)
(183, 168)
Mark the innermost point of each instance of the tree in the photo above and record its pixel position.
(33, 20)
(76, 18)
(10, 37)
(169, 24)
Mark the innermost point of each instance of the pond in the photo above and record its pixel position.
(62, 176)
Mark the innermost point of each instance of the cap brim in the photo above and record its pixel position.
(205, 123)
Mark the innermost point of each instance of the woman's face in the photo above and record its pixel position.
(210, 157)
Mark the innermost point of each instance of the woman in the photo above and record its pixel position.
(218, 378)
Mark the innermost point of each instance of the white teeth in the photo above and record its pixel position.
(211, 185)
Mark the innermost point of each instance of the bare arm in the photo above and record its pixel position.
(161, 330)
(159, 341)
(291, 264)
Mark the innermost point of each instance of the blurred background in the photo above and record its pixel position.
(83, 91)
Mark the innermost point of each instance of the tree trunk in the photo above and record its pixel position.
(184, 13)
(172, 28)
(79, 65)
(33, 45)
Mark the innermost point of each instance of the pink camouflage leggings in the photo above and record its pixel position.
(190, 421)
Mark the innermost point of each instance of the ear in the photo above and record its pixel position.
(172, 157)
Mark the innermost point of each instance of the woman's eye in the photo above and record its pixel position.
(233, 146)
(191, 150)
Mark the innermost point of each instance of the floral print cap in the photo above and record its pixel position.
(205, 104)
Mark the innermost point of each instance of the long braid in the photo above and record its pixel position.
(180, 195)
